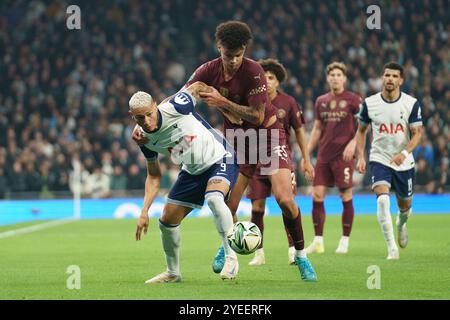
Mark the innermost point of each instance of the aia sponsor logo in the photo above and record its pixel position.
(391, 128)
(181, 146)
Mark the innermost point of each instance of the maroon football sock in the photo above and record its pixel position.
(290, 241)
(347, 217)
(294, 226)
(318, 216)
(258, 219)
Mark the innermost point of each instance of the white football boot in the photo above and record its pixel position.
(258, 259)
(164, 277)
(393, 254)
(230, 268)
(316, 246)
(402, 231)
(343, 245)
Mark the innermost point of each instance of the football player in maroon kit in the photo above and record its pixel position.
(290, 115)
(251, 125)
(334, 131)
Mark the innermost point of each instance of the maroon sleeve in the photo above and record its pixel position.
(201, 74)
(256, 85)
(316, 110)
(296, 119)
(356, 103)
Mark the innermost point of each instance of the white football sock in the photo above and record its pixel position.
(385, 220)
(170, 237)
(222, 218)
(300, 253)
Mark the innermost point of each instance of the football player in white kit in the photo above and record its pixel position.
(208, 171)
(396, 123)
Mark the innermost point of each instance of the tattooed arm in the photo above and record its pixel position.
(252, 114)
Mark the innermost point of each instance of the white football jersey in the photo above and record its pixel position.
(184, 136)
(390, 123)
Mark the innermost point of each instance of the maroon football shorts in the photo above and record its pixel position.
(336, 172)
(260, 187)
(274, 156)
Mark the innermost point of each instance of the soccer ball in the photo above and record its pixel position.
(244, 237)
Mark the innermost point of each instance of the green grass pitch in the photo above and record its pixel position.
(114, 266)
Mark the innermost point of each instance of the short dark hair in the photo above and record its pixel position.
(274, 66)
(394, 66)
(233, 34)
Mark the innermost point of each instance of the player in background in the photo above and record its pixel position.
(396, 121)
(172, 128)
(333, 131)
(290, 115)
(240, 94)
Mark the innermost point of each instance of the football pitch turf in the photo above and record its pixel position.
(114, 266)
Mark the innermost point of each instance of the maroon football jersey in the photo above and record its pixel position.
(337, 120)
(289, 113)
(247, 87)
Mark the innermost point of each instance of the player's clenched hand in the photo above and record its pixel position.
(361, 165)
(138, 137)
(142, 225)
(398, 159)
(213, 99)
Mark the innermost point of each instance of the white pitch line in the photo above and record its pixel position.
(16, 232)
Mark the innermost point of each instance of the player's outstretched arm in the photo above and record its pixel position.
(306, 161)
(253, 114)
(152, 184)
(200, 87)
(197, 87)
(360, 147)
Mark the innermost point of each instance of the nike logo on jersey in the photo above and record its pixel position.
(175, 126)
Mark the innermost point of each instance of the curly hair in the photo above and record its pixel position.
(233, 34)
(274, 66)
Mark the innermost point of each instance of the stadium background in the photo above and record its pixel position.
(64, 93)
(64, 96)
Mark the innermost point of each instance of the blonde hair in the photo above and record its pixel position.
(140, 99)
(337, 65)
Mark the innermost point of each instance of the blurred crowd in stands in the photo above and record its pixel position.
(64, 93)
